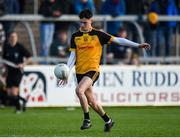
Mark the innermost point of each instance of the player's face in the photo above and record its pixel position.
(85, 24)
(13, 39)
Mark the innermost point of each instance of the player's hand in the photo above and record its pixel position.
(21, 67)
(145, 45)
(62, 82)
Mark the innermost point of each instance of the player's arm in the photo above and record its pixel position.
(71, 60)
(72, 57)
(27, 57)
(26, 61)
(126, 42)
(70, 64)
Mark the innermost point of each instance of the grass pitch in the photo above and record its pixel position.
(60, 122)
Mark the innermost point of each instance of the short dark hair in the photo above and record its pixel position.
(11, 32)
(86, 13)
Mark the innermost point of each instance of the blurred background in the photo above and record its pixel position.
(45, 27)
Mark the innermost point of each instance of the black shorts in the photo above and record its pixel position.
(14, 78)
(94, 75)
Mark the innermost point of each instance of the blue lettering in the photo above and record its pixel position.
(107, 79)
(148, 79)
(172, 81)
(136, 78)
(120, 79)
(159, 78)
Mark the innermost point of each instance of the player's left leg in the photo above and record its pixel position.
(93, 103)
(16, 84)
(99, 109)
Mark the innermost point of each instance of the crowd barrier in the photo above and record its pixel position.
(145, 85)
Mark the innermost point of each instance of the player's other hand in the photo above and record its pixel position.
(62, 82)
(145, 45)
(21, 66)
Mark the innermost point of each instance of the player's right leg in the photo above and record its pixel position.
(108, 125)
(13, 99)
(83, 85)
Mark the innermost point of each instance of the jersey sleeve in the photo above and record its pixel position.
(73, 45)
(105, 38)
(25, 52)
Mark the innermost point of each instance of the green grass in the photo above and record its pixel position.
(129, 122)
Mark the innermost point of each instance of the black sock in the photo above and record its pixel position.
(105, 117)
(86, 116)
(15, 101)
(0, 96)
(4, 98)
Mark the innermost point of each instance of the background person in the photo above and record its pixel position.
(49, 8)
(165, 29)
(3, 93)
(2, 39)
(114, 8)
(2, 70)
(59, 47)
(15, 53)
(119, 54)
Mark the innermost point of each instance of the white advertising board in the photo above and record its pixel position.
(116, 86)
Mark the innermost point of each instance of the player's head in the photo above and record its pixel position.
(86, 19)
(13, 38)
(86, 13)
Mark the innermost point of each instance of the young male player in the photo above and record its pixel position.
(86, 50)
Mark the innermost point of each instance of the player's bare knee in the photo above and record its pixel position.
(91, 102)
(79, 91)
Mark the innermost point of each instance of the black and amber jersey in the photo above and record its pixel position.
(88, 48)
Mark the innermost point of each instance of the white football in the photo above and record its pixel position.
(61, 71)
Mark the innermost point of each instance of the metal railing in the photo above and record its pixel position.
(68, 17)
(99, 18)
